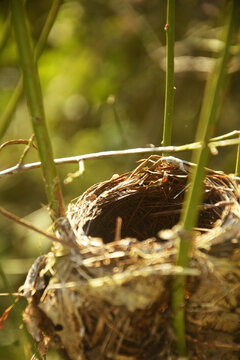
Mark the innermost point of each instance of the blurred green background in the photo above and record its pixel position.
(98, 51)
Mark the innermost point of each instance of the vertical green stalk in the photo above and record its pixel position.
(5, 32)
(10, 108)
(237, 166)
(112, 102)
(206, 129)
(169, 88)
(35, 104)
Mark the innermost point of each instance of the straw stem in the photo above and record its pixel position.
(36, 110)
(169, 88)
(206, 129)
(11, 106)
(237, 166)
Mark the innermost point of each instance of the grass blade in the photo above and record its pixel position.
(237, 166)
(11, 106)
(207, 125)
(169, 88)
(36, 110)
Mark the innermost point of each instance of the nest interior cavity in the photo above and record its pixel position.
(147, 200)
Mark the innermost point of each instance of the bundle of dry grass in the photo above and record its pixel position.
(110, 297)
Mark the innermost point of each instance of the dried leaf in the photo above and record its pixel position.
(5, 316)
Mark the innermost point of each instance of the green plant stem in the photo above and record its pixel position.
(36, 110)
(5, 32)
(112, 102)
(11, 106)
(47, 28)
(26, 150)
(206, 129)
(237, 166)
(119, 125)
(169, 88)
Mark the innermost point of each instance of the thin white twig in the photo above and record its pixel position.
(99, 155)
(103, 154)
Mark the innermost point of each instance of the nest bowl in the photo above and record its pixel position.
(109, 297)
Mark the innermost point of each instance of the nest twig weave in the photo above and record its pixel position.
(111, 298)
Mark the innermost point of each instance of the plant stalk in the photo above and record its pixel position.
(237, 166)
(35, 104)
(169, 87)
(5, 32)
(11, 106)
(206, 129)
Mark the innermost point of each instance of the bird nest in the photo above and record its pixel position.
(109, 296)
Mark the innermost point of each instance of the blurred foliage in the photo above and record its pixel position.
(97, 49)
